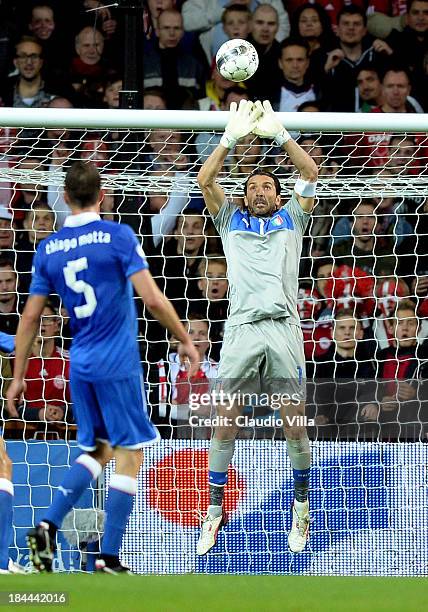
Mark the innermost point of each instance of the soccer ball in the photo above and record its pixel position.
(237, 60)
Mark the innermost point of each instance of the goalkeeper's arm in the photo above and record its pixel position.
(242, 121)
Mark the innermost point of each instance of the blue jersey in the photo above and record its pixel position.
(88, 264)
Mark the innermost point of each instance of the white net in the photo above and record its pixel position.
(363, 253)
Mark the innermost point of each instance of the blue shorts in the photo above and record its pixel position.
(112, 411)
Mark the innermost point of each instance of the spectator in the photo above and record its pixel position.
(391, 219)
(60, 148)
(369, 89)
(215, 90)
(27, 89)
(156, 7)
(180, 259)
(38, 224)
(264, 28)
(312, 23)
(316, 311)
(213, 303)
(11, 302)
(413, 257)
(88, 68)
(27, 194)
(362, 249)
(247, 156)
(341, 379)
(398, 365)
(175, 386)
(373, 149)
(112, 89)
(308, 306)
(189, 42)
(351, 287)
(167, 152)
(236, 20)
(55, 44)
(165, 209)
(47, 393)
(180, 75)
(403, 156)
(420, 88)
(411, 44)
(95, 150)
(205, 16)
(388, 291)
(7, 36)
(396, 94)
(154, 99)
(7, 233)
(297, 86)
(42, 24)
(354, 51)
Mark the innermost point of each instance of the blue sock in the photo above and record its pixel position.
(77, 479)
(301, 484)
(120, 500)
(6, 515)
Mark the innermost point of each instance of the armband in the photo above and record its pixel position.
(305, 188)
(227, 141)
(282, 137)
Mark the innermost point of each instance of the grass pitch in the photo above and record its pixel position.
(202, 593)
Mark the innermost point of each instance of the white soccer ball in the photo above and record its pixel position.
(237, 60)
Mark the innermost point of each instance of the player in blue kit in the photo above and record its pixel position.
(93, 265)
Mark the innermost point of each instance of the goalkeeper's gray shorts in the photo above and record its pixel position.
(263, 357)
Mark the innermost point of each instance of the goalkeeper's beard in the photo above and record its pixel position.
(260, 207)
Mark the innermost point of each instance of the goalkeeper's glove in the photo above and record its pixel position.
(242, 121)
(268, 126)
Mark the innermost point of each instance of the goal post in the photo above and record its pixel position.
(205, 120)
(367, 493)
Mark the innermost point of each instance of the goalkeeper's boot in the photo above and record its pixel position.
(42, 547)
(13, 568)
(111, 566)
(209, 531)
(299, 533)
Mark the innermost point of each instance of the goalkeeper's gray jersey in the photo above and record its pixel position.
(263, 261)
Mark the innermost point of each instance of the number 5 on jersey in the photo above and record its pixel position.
(80, 286)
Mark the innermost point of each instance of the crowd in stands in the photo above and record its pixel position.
(363, 297)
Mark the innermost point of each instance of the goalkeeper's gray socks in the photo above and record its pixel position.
(219, 458)
(300, 457)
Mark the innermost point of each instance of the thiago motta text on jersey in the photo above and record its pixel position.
(95, 237)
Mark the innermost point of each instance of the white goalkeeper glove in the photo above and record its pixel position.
(268, 126)
(242, 121)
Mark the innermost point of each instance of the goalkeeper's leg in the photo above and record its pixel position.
(219, 458)
(300, 458)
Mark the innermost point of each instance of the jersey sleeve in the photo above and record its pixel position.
(130, 251)
(299, 216)
(222, 219)
(7, 342)
(40, 283)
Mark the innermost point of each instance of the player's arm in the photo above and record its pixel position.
(242, 121)
(163, 311)
(268, 126)
(25, 335)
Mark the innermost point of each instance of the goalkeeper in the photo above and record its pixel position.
(263, 343)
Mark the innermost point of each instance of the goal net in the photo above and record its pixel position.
(362, 303)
